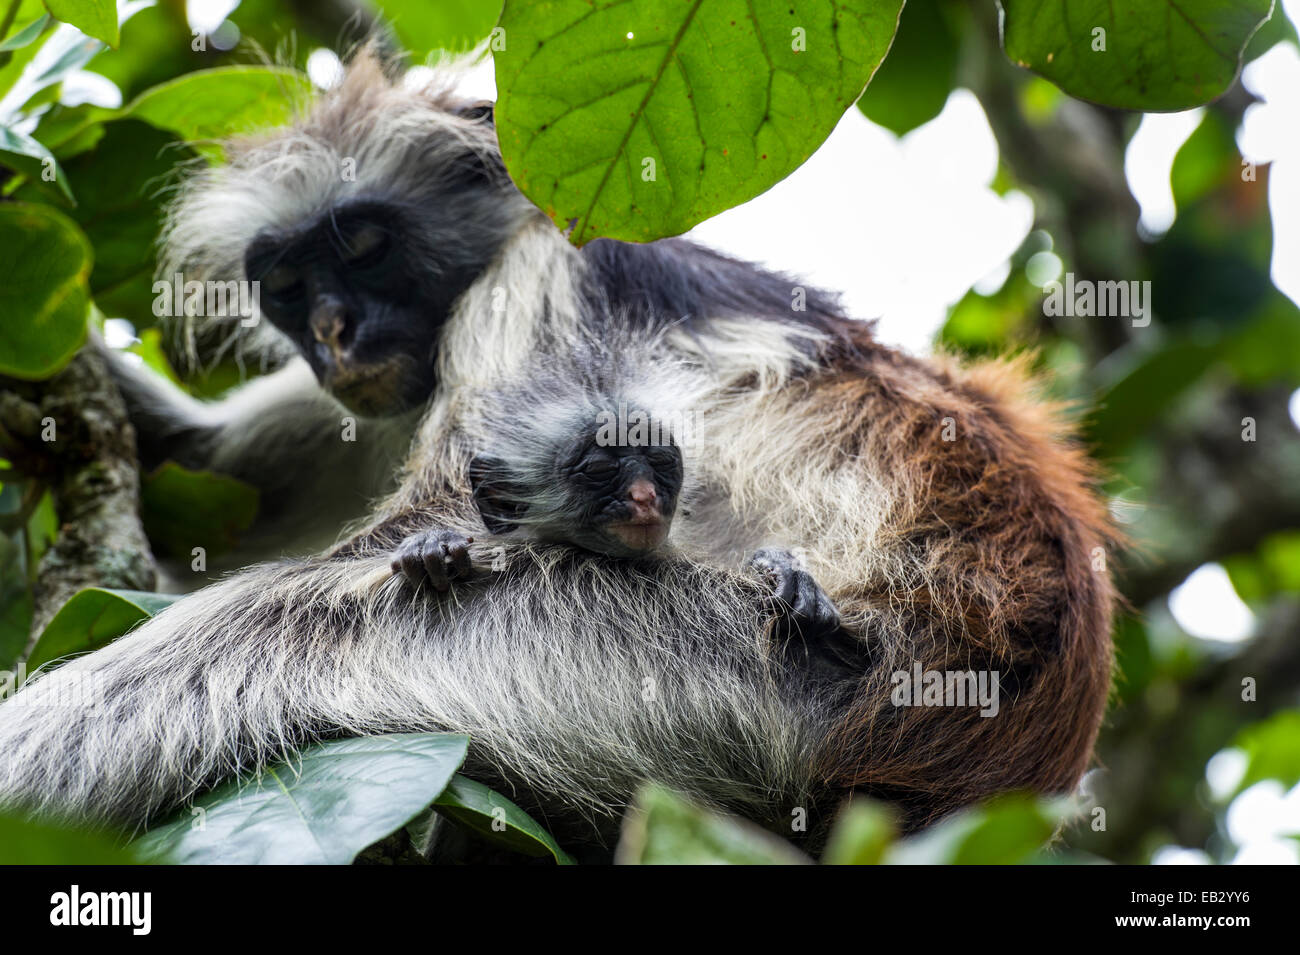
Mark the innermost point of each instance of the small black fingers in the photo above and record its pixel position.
(435, 567)
(457, 554)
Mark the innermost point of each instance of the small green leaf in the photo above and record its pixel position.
(61, 52)
(26, 35)
(95, 18)
(211, 104)
(1008, 830)
(45, 261)
(1158, 56)
(680, 110)
(24, 842)
(184, 509)
(322, 808)
(476, 806)
(661, 828)
(861, 835)
(912, 85)
(91, 619)
(27, 156)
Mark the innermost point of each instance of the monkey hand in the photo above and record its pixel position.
(438, 556)
(803, 605)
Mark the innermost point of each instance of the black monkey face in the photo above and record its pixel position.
(620, 500)
(364, 298)
(617, 501)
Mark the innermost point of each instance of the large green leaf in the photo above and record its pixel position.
(45, 261)
(912, 85)
(482, 809)
(639, 120)
(322, 808)
(661, 828)
(96, 18)
(1158, 55)
(23, 842)
(214, 103)
(184, 509)
(91, 619)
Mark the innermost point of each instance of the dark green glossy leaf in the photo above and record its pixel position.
(27, 156)
(120, 209)
(1149, 385)
(91, 619)
(482, 809)
(324, 807)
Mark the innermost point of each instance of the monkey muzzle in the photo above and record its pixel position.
(648, 518)
(640, 536)
(372, 389)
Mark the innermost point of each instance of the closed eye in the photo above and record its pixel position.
(282, 282)
(601, 467)
(367, 246)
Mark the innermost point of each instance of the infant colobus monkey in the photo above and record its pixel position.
(560, 461)
(560, 475)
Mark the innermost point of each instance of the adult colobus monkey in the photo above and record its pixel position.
(941, 508)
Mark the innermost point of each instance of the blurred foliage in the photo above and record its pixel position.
(82, 186)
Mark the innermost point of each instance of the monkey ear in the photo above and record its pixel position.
(482, 110)
(500, 509)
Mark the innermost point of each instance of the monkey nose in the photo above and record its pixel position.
(328, 321)
(642, 492)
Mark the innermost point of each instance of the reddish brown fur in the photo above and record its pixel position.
(1003, 522)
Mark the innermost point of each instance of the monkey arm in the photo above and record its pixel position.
(316, 466)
